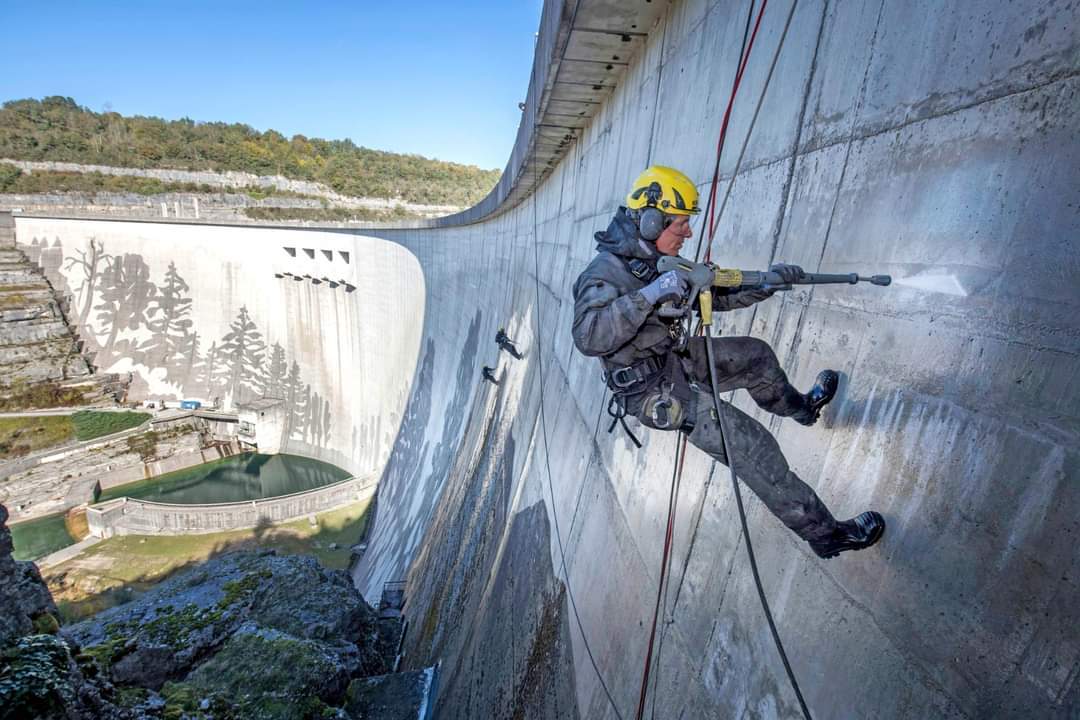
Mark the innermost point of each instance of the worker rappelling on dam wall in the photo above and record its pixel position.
(931, 142)
(928, 142)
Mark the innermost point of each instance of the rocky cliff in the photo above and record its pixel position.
(245, 635)
(41, 363)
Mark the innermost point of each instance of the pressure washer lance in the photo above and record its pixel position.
(702, 277)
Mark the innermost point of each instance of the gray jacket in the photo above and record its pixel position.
(612, 320)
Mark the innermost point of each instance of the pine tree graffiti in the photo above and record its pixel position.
(89, 263)
(170, 324)
(242, 351)
(276, 371)
(293, 393)
(34, 251)
(303, 413)
(325, 423)
(209, 373)
(125, 298)
(191, 361)
(50, 261)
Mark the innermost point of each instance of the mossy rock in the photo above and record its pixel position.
(46, 624)
(276, 676)
(35, 678)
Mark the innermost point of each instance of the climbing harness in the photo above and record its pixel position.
(628, 383)
(640, 269)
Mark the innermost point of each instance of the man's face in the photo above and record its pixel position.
(674, 235)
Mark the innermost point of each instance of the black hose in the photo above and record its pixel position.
(746, 530)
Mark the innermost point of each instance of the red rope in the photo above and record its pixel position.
(680, 454)
(724, 128)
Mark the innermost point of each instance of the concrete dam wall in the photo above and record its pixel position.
(328, 324)
(933, 141)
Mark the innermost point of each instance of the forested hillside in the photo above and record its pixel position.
(58, 129)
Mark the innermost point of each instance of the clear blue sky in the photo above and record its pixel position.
(442, 79)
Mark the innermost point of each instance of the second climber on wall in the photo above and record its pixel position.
(660, 376)
(505, 343)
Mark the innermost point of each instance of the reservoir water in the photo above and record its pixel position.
(249, 476)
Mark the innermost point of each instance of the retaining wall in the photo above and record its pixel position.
(127, 516)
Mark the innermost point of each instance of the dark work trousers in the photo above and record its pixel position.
(750, 364)
(509, 347)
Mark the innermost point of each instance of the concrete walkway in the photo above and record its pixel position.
(67, 553)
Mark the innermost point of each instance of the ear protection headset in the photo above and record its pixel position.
(651, 221)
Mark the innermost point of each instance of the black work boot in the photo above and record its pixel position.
(819, 396)
(857, 533)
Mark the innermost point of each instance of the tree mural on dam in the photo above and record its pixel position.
(89, 263)
(170, 325)
(134, 320)
(127, 296)
(242, 350)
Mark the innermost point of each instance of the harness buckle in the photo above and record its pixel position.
(625, 377)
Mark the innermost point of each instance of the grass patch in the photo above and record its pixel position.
(24, 287)
(90, 424)
(118, 569)
(41, 396)
(23, 435)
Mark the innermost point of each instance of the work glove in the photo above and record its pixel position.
(790, 273)
(671, 286)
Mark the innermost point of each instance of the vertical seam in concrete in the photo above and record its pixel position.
(796, 338)
(659, 78)
(852, 139)
(785, 192)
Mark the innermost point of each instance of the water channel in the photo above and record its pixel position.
(249, 476)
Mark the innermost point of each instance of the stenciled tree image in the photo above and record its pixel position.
(191, 362)
(126, 296)
(169, 324)
(276, 372)
(294, 401)
(210, 374)
(89, 262)
(242, 350)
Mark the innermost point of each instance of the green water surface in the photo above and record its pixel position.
(249, 476)
(38, 537)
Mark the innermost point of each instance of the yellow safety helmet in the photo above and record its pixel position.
(665, 189)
